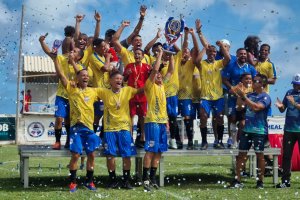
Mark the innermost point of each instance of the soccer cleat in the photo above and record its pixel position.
(153, 183)
(112, 184)
(90, 186)
(172, 144)
(237, 184)
(229, 143)
(204, 146)
(67, 146)
(56, 146)
(259, 185)
(283, 185)
(146, 185)
(127, 185)
(73, 187)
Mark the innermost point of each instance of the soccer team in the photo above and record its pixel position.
(157, 88)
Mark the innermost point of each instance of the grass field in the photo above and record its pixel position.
(186, 178)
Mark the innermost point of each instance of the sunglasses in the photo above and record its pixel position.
(257, 81)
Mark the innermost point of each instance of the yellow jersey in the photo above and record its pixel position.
(185, 75)
(116, 108)
(211, 80)
(127, 57)
(157, 104)
(101, 78)
(196, 86)
(68, 71)
(86, 55)
(82, 104)
(266, 68)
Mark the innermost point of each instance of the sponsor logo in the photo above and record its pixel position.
(35, 129)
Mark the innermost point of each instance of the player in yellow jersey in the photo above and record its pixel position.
(126, 55)
(185, 60)
(100, 64)
(81, 100)
(212, 91)
(117, 126)
(62, 111)
(155, 121)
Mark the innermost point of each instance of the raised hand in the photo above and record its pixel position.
(198, 25)
(79, 17)
(291, 99)
(97, 16)
(125, 23)
(158, 34)
(42, 38)
(143, 9)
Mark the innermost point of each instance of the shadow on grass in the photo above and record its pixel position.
(59, 183)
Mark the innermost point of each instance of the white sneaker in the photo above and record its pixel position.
(172, 144)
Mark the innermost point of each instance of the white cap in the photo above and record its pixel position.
(296, 79)
(224, 41)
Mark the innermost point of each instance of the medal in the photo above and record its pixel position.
(118, 101)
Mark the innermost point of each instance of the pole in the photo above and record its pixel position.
(19, 78)
(181, 40)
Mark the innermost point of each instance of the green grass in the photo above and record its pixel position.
(186, 178)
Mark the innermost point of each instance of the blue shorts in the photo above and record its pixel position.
(172, 106)
(62, 107)
(195, 114)
(81, 137)
(98, 108)
(232, 105)
(119, 143)
(185, 107)
(216, 106)
(156, 139)
(246, 140)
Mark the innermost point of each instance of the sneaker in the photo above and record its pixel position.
(229, 143)
(172, 144)
(283, 185)
(81, 166)
(154, 184)
(237, 184)
(56, 146)
(67, 145)
(112, 184)
(215, 143)
(220, 146)
(204, 146)
(190, 146)
(90, 186)
(179, 145)
(127, 185)
(259, 185)
(146, 185)
(73, 187)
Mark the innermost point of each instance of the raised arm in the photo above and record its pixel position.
(97, 17)
(227, 57)
(78, 18)
(152, 42)
(59, 72)
(44, 46)
(116, 36)
(170, 68)
(203, 40)
(139, 25)
(195, 43)
(185, 39)
(198, 58)
(156, 66)
(73, 63)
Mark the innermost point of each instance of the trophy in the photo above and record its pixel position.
(173, 31)
(55, 47)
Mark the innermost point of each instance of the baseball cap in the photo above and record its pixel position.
(225, 42)
(296, 79)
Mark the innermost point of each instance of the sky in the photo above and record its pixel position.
(276, 22)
